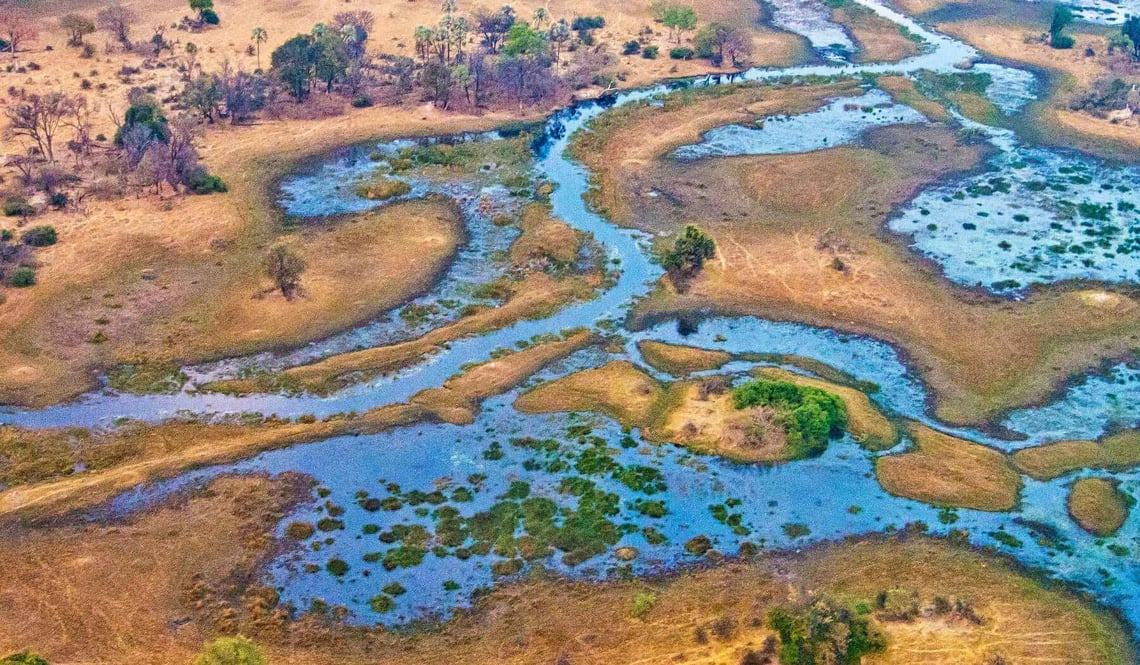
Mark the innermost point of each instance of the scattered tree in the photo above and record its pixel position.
(39, 117)
(117, 20)
(285, 268)
(77, 28)
(717, 41)
(1131, 30)
(16, 28)
(678, 18)
(689, 253)
(1062, 17)
(292, 63)
(259, 37)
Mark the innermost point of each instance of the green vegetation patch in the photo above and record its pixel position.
(810, 416)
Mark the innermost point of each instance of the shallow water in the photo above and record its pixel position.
(813, 21)
(839, 122)
(820, 494)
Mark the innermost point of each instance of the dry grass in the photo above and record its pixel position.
(544, 238)
(780, 223)
(947, 471)
(144, 453)
(679, 360)
(1053, 460)
(867, 425)
(878, 39)
(1098, 506)
(619, 390)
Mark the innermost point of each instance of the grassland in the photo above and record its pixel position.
(950, 472)
(1098, 506)
(164, 568)
(878, 39)
(678, 360)
(799, 237)
(1117, 452)
(46, 460)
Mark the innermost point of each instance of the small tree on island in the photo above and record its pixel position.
(688, 256)
(285, 268)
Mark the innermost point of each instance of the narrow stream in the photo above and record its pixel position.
(386, 498)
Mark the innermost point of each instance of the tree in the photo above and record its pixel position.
(204, 8)
(292, 63)
(1062, 17)
(231, 651)
(558, 35)
(689, 252)
(331, 58)
(494, 25)
(16, 28)
(39, 117)
(437, 78)
(716, 40)
(678, 18)
(541, 16)
(77, 28)
(117, 20)
(191, 59)
(1131, 29)
(259, 37)
(144, 111)
(204, 95)
(285, 268)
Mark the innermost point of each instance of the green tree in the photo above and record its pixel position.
(331, 58)
(259, 37)
(201, 6)
(285, 268)
(678, 18)
(231, 651)
(292, 63)
(523, 40)
(77, 28)
(689, 252)
(1131, 30)
(1062, 17)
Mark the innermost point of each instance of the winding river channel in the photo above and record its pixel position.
(428, 476)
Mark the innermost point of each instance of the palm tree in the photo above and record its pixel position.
(259, 36)
(541, 16)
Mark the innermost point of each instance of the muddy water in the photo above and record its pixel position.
(785, 506)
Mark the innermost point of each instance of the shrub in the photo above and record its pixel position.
(823, 633)
(362, 102)
(231, 651)
(632, 47)
(1062, 42)
(299, 530)
(59, 200)
(643, 602)
(18, 206)
(689, 252)
(210, 17)
(23, 658)
(285, 268)
(40, 236)
(199, 181)
(337, 567)
(650, 52)
(682, 53)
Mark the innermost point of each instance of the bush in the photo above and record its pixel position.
(18, 206)
(689, 252)
(210, 17)
(6, 235)
(23, 658)
(682, 53)
(231, 651)
(643, 602)
(59, 200)
(649, 52)
(1061, 42)
(40, 236)
(362, 102)
(199, 181)
(631, 47)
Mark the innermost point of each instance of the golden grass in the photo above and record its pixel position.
(878, 39)
(1052, 460)
(947, 471)
(145, 453)
(544, 237)
(867, 425)
(780, 223)
(679, 360)
(1097, 506)
(619, 390)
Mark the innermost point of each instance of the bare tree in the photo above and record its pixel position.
(117, 20)
(16, 28)
(39, 117)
